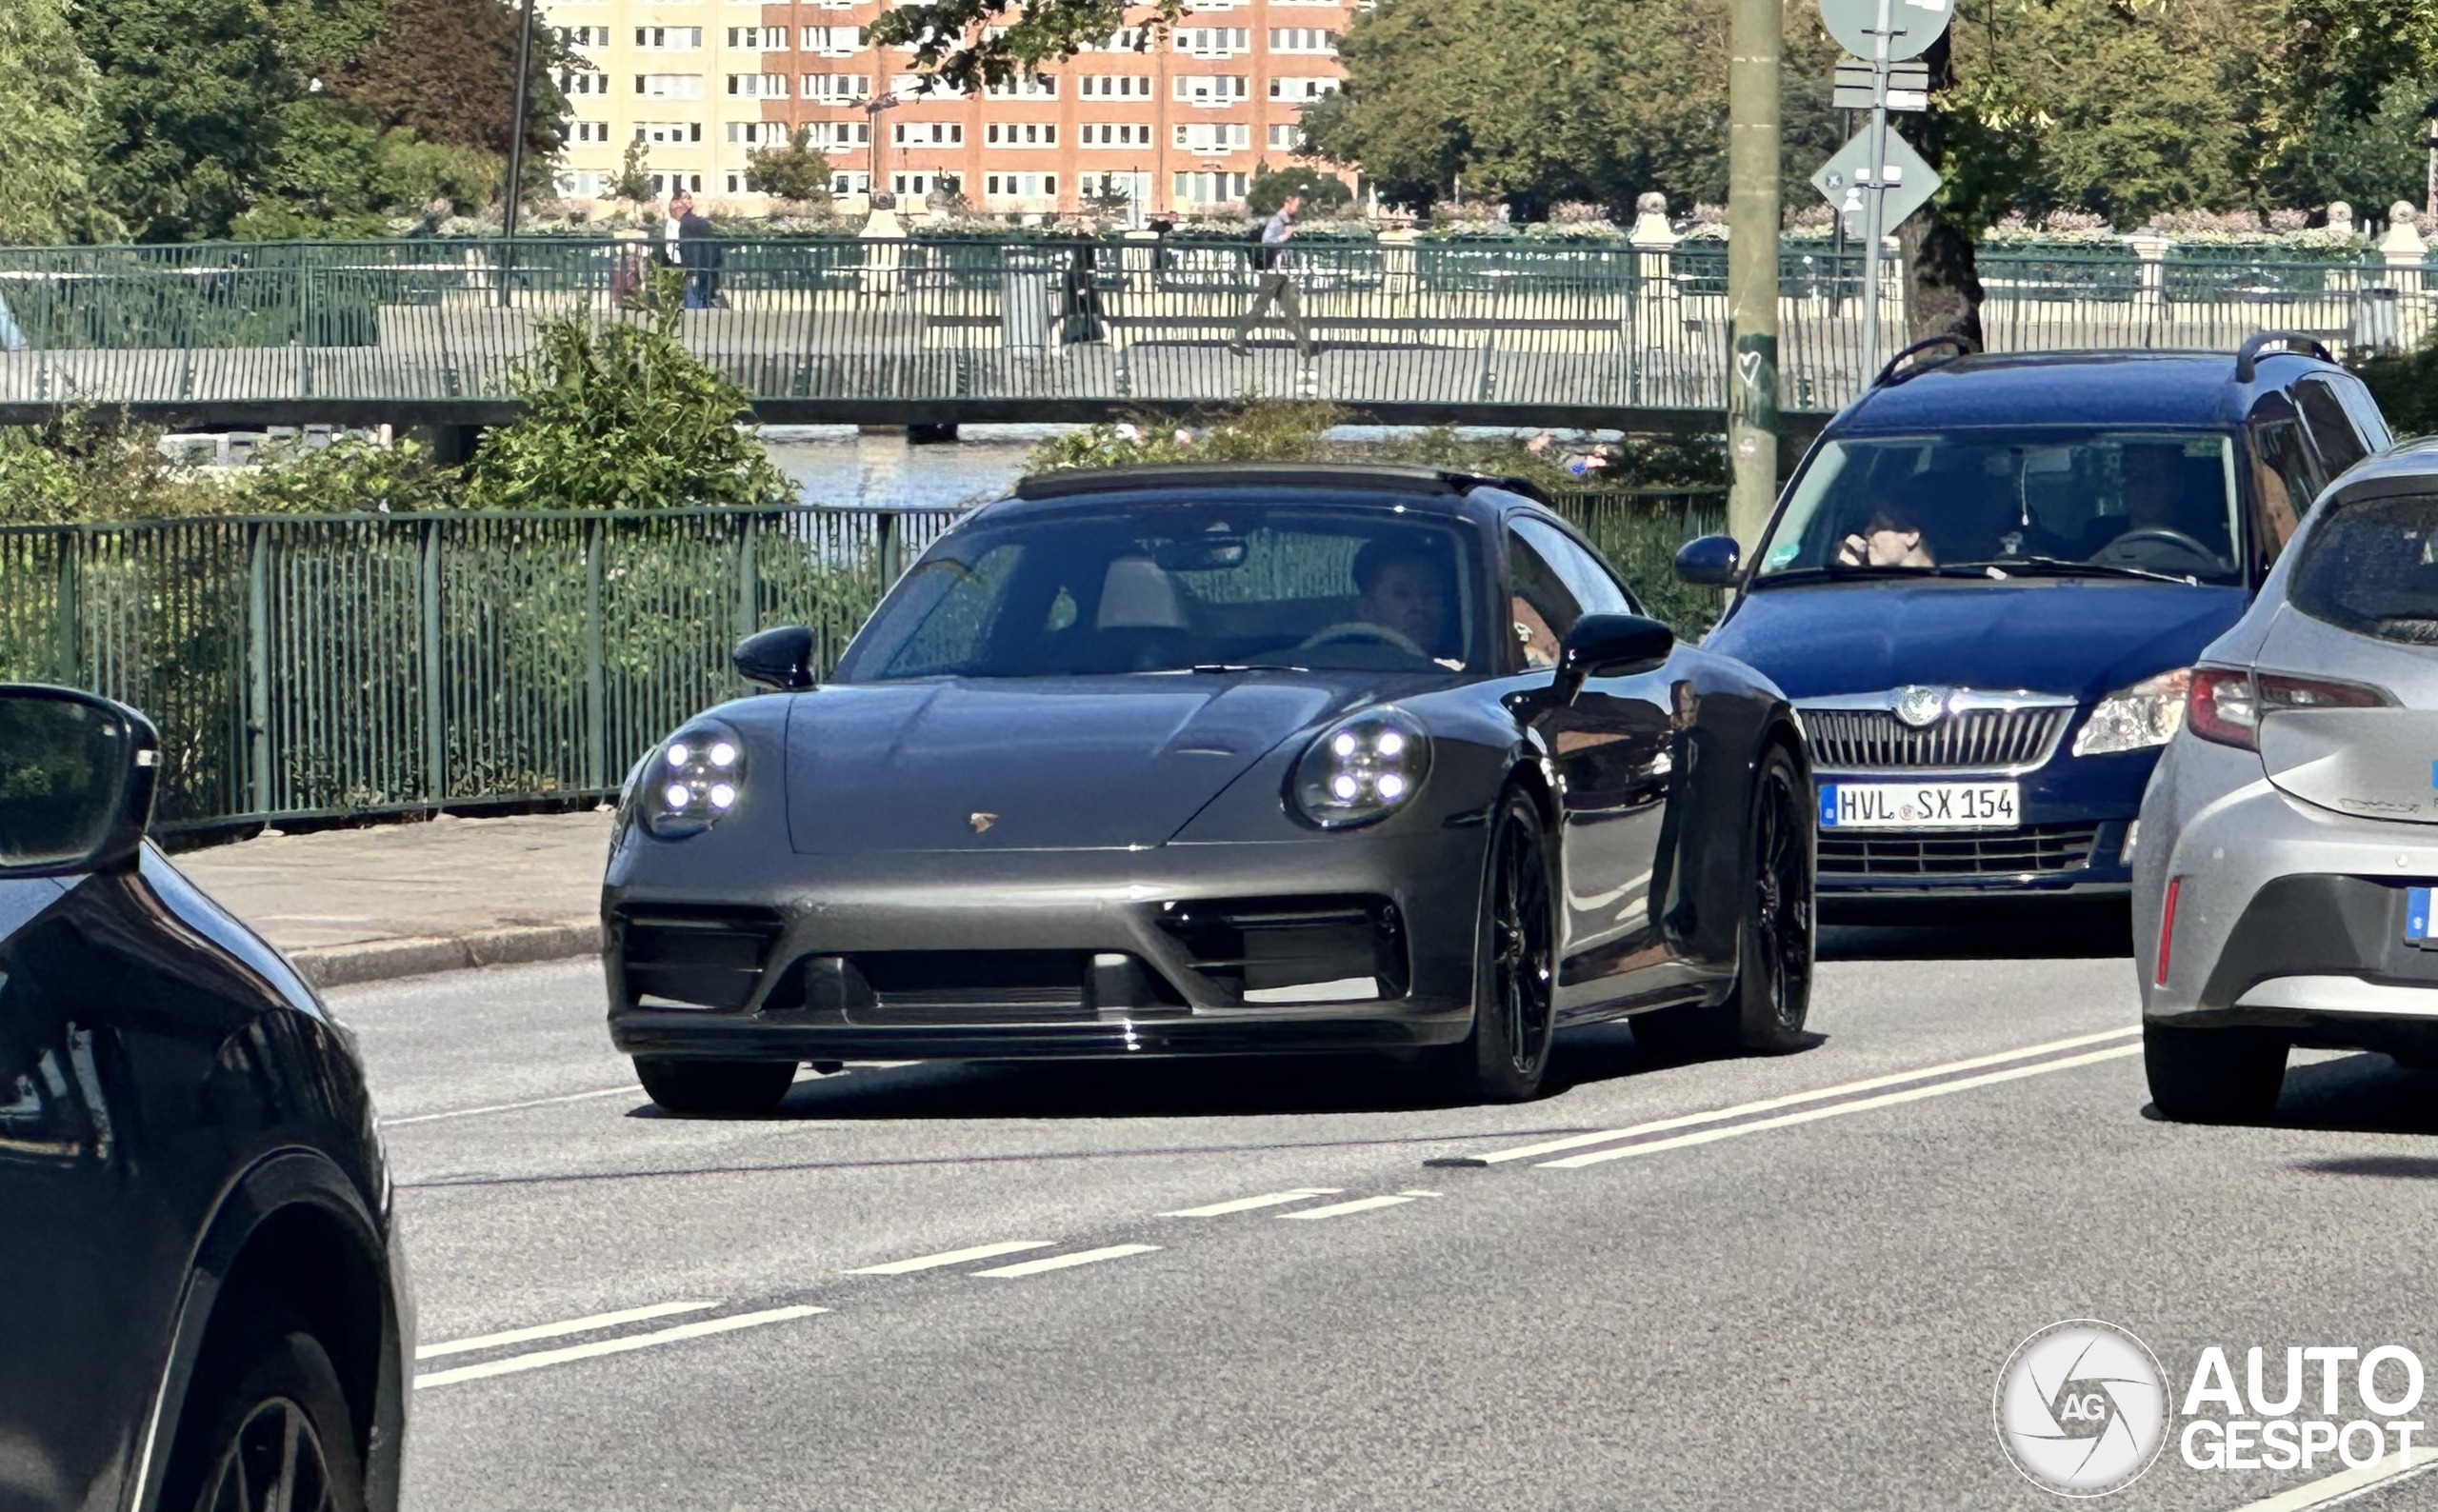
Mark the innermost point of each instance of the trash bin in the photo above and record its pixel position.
(1027, 286)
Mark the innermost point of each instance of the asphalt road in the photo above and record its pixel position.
(1804, 1304)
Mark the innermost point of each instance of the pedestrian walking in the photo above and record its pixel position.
(690, 243)
(1276, 265)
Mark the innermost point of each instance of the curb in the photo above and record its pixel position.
(381, 960)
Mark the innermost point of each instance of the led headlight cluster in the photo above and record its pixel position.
(1362, 768)
(691, 781)
(2136, 718)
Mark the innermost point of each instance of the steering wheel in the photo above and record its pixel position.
(2154, 535)
(1363, 630)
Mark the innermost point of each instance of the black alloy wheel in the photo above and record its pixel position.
(1514, 999)
(274, 1464)
(1765, 1012)
(732, 1087)
(265, 1426)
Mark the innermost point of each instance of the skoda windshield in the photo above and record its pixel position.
(1176, 588)
(1989, 504)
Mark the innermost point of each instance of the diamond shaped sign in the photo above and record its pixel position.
(1905, 179)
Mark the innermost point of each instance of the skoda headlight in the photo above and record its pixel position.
(2136, 718)
(1362, 768)
(694, 778)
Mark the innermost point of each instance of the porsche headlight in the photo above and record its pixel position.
(696, 776)
(1362, 768)
(2136, 718)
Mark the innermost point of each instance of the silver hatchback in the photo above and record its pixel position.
(2287, 853)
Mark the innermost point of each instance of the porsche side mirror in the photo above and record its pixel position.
(781, 658)
(76, 780)
(1610, 646)
(1709, 561)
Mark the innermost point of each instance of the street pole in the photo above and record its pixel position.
(1875, 198)
(517, 148)
(1754, 28)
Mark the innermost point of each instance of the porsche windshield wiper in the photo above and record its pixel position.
(1246, 666)
(1843, 574)
(2061, 567)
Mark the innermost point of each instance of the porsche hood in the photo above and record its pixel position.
(1032, 766)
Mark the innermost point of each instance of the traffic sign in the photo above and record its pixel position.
(1908, 86)
(1912, 25)
(1906, 182)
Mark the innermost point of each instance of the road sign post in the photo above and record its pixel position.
(1877, 178)
(1754, 41)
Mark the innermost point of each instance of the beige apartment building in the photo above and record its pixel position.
(1179, 127)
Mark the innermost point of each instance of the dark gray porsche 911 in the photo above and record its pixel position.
(1219, 760)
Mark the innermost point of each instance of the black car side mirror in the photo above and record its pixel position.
(1610, 646)
(780, 658)
(76, 780)
(1709, 561)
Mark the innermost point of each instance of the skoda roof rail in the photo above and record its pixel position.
(1964, 347)
(2254, 348)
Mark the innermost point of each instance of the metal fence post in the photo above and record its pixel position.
(886, 529)
(596, 673)
(435, 736)
(258, 771)
(70, 548)
(749, 586)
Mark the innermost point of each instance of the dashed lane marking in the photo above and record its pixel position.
(511, 1107)
(2346, 1484)
(1840, 1109)
(1361, 1205)
(558, 1330)
(1742, 1111)
(541, 1358)
(1246, 1205)
(951, 1257)
(1082, 1257)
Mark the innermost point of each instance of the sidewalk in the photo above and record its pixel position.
(398, 900)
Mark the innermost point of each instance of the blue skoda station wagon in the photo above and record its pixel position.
(1985, 585)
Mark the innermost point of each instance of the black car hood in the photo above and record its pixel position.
(2085, 637)
(1029, 764)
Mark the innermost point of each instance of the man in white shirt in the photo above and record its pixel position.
(1277, 267)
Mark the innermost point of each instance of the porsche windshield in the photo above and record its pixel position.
(2131, 504)
(1181, 588)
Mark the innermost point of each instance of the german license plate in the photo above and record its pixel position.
(1919, 805)
(2416, 919)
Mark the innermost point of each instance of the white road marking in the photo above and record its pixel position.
(1840, 1109)
(510, 1107)
(557, 1330)
(1082, 1257)
(951, 1257)
(2346, 1484)
(1246, 1205)
(1361, 1205)
(1843, 1089)
(541, 1358)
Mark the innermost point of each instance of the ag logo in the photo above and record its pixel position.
(2082, 1407)
(1918, 707)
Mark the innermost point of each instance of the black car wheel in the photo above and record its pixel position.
(715, 1086)
(1515, 977)
(266, 1427)
(1773, 995)
(2213, 1076)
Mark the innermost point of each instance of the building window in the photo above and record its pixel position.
(758, 85)
(1020, 186)
(1302, 39)
(922, 183)
(672, 183)
(669, 39)
(1288, 136)
(1215, 42)
(927, 134)
(584, 36)
(836, 42)
(837, 85)
(922, 86)
(669, 133)
(760, 134)
(1026, 86)
(1021, 133)
(1125, 39)
(1210, 188)
(1211, 88)
(758, 39)
(575, 82)
(1116, 86)
(1118, 133)
(1213, 136)
(670, 86)
(589, 133)
(1289, 86)
(581, 185)
(850, 183)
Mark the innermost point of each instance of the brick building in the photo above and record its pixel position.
(1178, 128)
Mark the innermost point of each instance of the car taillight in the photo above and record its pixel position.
(2226, 704)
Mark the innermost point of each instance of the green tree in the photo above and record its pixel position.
(622, 416)
(1321, 193)
(46, 116)
(446, 71)
(186, 109)
(796, 172)
(634, 181)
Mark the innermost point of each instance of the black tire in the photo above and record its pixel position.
(2213, 1076)
(1507, 1057)
(1763, 1013)
(715, 1086)
(265, 1426)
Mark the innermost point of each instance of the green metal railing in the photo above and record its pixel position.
(302, 666)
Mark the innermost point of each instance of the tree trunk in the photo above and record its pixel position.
(1942, 284)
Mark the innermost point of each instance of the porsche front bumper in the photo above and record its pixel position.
(1337, 943)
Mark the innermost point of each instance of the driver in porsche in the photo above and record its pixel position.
(1401, 587)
